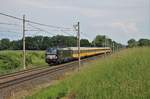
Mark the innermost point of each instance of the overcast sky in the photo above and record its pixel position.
(118, 19)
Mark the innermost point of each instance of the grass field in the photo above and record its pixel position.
(11, 61)
(124, 75)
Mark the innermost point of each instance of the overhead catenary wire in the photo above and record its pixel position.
(12, 33)
(39, 29)
(62, 29)
(51, 26)
(3, 27)
(67, 33)
(11, 16)
(3, 23)
(4, 30)
(29, 21)
(84, 35)
(9, 31)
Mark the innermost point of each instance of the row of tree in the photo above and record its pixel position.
(140, 42)
(103, 41)
(43, 42)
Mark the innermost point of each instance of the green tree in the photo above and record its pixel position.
(132, 43)
(63, 41)
(99, 41)
(30, 45)
(144, 42)
(38, 42)
(46, 43)
(58, 41)
(4, 44)
(84, 43)
(108, 42)
(16, 45)
(71, 41)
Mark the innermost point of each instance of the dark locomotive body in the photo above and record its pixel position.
(58, 55)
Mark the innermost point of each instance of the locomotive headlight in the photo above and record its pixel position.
(51, 57)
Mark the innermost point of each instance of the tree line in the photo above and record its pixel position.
(44, 42)
(140, 43)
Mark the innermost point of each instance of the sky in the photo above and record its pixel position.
(120, 20)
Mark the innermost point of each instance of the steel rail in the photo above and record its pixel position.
(33, 76)
(21, 72)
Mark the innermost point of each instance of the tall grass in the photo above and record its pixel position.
(11, 61)
(124, 75)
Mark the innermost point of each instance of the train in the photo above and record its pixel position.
(60, 55)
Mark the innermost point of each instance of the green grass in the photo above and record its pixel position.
(124, 75)
(11, 61)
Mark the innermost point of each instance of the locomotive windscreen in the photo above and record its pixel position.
(51, 51)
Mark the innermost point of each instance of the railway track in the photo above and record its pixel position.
(21, 72)
(14, 79)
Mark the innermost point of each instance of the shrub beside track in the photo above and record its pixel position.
(11, 61)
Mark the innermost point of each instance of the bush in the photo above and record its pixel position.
(11, 61)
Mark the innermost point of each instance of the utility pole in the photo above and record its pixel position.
(77, 29)
(113, 48)
(78, 44)
(24, 50)
(117, 48)
(94, 43)
(105, 46)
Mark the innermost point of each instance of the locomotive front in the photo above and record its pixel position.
(51, 55)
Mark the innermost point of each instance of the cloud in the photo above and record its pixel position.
(33, 3)
(127, 27)
(119, 30)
